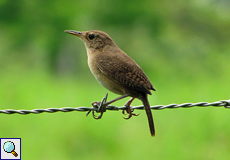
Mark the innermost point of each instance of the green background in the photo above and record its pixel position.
(183, 47)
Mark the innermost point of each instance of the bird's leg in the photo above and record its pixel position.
(128, 110)
(127, 104)
(102, 105)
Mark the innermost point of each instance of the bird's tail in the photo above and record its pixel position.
(149, 113)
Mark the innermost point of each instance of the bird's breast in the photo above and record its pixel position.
(103, 79)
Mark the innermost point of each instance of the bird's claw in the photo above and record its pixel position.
(97, 104)
(100, 106)
(97, 117)
(128, 110)
(129, 113)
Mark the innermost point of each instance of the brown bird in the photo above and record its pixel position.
(116, 71)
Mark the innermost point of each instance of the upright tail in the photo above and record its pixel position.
(149, 113)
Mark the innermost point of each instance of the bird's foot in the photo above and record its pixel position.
(129, 111)
(100, 106)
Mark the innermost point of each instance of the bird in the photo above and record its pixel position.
(116, 71)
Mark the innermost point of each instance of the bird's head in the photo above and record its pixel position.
(94, 40)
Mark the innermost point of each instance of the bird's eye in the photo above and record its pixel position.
(91, 36)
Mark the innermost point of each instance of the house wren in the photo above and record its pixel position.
(116, 71)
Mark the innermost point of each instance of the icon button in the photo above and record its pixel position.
(9, 147)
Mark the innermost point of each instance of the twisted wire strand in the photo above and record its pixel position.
(225, 103)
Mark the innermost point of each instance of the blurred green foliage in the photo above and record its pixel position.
(183, 46)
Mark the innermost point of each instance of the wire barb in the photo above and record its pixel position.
(225, 103)
(99, 107)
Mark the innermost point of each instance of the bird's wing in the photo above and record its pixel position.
(125, 71)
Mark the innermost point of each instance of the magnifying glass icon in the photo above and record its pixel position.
(9, 147)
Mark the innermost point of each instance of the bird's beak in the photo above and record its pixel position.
(76, 33)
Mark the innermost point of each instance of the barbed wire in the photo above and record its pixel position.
(221, 103)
